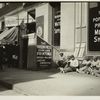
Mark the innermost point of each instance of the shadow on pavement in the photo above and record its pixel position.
(2, 88)
(13, 76)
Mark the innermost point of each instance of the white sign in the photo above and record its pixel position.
(31, 39)
(11, 21)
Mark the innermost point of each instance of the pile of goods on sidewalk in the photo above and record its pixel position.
(89, 64)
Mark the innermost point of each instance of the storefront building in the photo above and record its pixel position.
(63, 25)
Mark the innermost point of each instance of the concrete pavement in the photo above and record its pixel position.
(10, 93)
(46, 83)
(4, 91)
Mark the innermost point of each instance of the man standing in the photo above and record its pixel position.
(23, 29)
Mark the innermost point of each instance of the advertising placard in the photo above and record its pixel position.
(94, 29)
(44, 54)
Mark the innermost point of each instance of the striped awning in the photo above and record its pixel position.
(9, 36)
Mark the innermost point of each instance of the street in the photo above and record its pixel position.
(47, 83)
(71, 84)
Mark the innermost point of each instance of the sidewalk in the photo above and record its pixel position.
(48, 83)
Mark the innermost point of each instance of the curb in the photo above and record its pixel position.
(20, 91)
(10, 86)
(6, 84)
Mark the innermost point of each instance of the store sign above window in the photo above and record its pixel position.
(94, 29)
(11, 21)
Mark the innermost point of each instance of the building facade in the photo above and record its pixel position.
(64, 25)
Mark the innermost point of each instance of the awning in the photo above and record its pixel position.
(3, 34)
(9, 36)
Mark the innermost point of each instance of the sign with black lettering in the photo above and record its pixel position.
(94, 29)
(44, 54)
